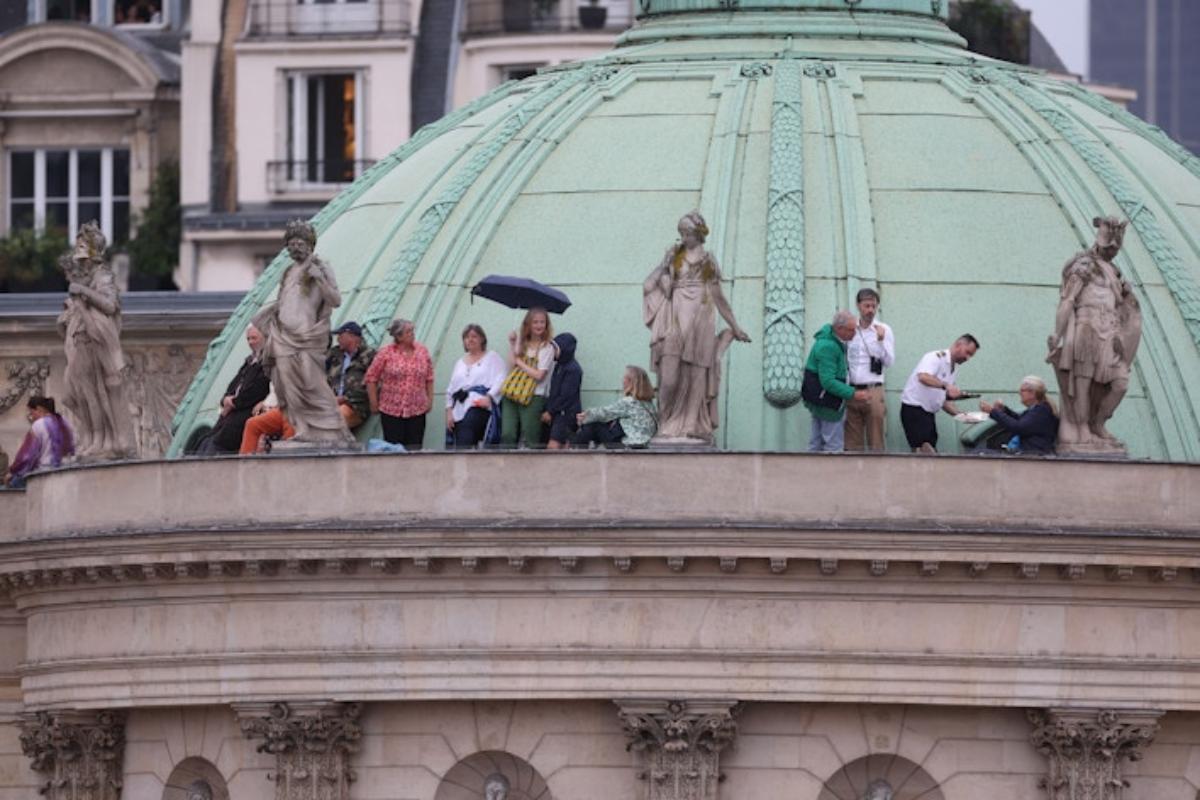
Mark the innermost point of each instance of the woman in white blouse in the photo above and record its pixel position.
(474, 389)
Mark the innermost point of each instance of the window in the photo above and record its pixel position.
(65, 188)
(138, 12)
(324, 128)
(69, 10)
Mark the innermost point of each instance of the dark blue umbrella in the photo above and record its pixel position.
(521, 293)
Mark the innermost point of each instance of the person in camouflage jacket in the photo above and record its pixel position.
(346, 368)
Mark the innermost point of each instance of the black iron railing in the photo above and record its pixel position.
(485, 17)
(300, 176)
(281, 18)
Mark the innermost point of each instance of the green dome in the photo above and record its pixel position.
(831, 145)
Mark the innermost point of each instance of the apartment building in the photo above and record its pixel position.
(287, 101)
(89, 107)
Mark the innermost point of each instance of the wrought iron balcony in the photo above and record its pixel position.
(281, 18)
(313, 176)
(486, 17)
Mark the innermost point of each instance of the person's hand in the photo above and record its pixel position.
(986, 407)
(342, 401)
(741, 335)
(999, 404)
(75, 289)
(259, 408)
(546, 418)
(482, 402)
(952, 391)
(449, 419)
(878, 331)
(861, 395)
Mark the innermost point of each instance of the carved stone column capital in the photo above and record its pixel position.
(312, 744)
(80, 752)
(1086, 748)
(681, 742)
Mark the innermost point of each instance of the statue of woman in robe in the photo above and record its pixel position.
(91, 328)
(680, 302)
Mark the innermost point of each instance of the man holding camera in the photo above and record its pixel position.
(872, 350)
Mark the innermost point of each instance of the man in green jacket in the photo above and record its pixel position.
(825, 389)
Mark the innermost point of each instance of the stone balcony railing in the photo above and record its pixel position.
(486, 17)
(286, 18)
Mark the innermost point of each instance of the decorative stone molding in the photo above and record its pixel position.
(80, 753)
(681, 743)
(1086, 748)
(24, 377)
(312, 744)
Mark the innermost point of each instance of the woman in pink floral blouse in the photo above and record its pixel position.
(400, 386)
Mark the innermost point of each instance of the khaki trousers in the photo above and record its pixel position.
(865, 421)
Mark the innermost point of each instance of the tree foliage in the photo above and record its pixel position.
(154, 250)
(993, 28)
(29, 260)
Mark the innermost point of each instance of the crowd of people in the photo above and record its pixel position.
(531, 397)
(843, 390)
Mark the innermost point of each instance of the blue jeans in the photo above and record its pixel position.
(827, 437)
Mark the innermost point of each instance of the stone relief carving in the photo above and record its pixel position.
(312, 745)
(1086, 749)
(879, 790)
(157, 378)
(25, 377)
(681, 743)
(80, 753)
(496, 787)
(783, 328)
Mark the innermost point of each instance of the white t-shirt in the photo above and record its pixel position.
(488, 371)
(937, 364)
(545, 360)
(866, 344)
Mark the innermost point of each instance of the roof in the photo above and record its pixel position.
(828, 150)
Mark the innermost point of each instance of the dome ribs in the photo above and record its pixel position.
(1175, 273)
(387, 296)
(783, 328)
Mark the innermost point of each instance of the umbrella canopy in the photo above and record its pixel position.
(521, 293)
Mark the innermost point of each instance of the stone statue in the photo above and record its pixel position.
(1096, 335)
(680, 303)
(496, 787)
(199, 790)
(296, 328)
(91, 328)
(879, 790)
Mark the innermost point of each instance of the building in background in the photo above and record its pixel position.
(1154, 52)
(89, 107)
(286, 102)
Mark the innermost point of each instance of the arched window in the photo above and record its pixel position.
(881, 776)
(195, 779)
(493, 775)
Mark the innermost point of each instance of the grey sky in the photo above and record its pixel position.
(1065, 24)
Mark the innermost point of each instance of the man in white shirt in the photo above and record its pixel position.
(870, 352)
(931, 387)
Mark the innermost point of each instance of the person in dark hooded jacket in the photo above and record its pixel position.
(563, 404)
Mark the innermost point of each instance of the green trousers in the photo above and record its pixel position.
(524, 422)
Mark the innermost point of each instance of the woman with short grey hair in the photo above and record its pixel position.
(1035, 429)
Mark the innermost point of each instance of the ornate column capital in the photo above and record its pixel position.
(1086, 748)
(312, 744)
(681, 742)
(80, 752)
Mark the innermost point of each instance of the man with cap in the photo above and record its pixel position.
(346, 366)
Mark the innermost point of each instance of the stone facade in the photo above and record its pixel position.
(730, 645)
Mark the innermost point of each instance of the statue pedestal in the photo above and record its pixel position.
(687, 443)
(1097, 450)
(292, 447)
